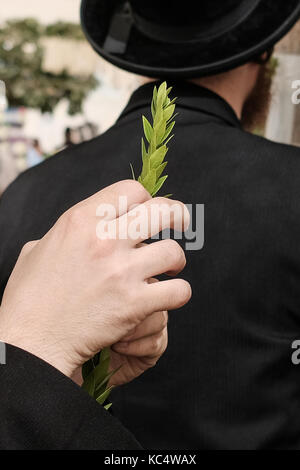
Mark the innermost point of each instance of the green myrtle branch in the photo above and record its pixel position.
(96, 377)
(95, 373)
(157, 135)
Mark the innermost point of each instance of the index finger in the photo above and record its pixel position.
(148, 219)
(116, 200)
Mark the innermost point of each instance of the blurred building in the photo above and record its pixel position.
(12, 142)
(102, 107)
(46, 12)
(284, 119)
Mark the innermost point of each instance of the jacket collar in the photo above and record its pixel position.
(190, 96)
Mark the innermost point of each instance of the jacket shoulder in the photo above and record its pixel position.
(277, 148)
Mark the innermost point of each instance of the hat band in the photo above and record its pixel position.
(119, 31)
(191, 33)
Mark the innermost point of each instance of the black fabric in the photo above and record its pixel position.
(41, 409)
(202, 28)
(227, 380)
(193, 13)
(268, 23)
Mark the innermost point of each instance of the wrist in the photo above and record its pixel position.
(38, 345)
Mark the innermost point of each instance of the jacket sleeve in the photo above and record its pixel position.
(41, 409)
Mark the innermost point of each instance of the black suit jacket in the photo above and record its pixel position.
(41, 409)
(227, 380)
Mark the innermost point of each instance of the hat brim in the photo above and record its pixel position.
(266, 25)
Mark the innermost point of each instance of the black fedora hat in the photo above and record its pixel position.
(186, 39)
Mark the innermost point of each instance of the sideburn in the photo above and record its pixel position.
(257, 106)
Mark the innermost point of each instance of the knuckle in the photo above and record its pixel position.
(118, 274)
(105, 248)
(165, 341)
(74, 218)
(129, 297)
(28, 247)
(161, 201)
(160, 343)
(184, 292)
(176, 253)
(164, 320)
(156, 344)
(119, 278)
(136, 189)
(173, 212)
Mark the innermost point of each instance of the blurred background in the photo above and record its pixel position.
(56, 92)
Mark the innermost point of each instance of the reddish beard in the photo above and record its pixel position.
(257, 106)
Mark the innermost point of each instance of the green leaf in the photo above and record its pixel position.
(101, 371)
(169, 139)
(105, 354)
(166, 103)
(162, 91)
(144, 151)
(158, 156)
(96, 381)
(153, 143)
(104, 396)
(105, 381)
(173, 101)
(160, 170)
(161, 130)
(87, 368)
(169, 130)
(107, 407)
(159, 185)
(168, 113)
(153, 109)
(161, 94)
(146, 168)
(149, 181)
(132, 172)
(159, 116)
(147, 129)
(172, 118)
(89, 384)
(158, 135)
(96, 359)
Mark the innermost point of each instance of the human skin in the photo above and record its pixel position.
(71, 294)
(234, 86)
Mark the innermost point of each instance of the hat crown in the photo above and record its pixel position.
(189, 13)
(188, 39)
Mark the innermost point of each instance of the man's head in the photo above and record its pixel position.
(195, 39)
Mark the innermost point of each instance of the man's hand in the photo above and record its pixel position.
(137, 352)
(71, 294)
(140, 351)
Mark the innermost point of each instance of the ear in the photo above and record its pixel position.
(265, 57)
